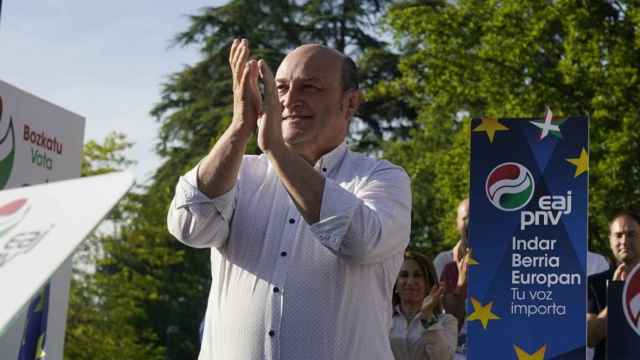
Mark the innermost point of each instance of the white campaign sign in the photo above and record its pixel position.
(42, 225)
(39, 143)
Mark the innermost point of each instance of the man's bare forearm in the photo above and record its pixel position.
(302, 181)
(218, 171)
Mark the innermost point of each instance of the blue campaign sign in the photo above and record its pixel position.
(528, 235)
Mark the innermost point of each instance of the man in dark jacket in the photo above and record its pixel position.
(624, 239)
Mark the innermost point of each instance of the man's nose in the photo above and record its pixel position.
(291, 98)
(624, 240)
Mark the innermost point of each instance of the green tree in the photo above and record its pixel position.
(106, 157)
(510, 59)
(99, 311)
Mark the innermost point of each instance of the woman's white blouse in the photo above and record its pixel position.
(413, 342)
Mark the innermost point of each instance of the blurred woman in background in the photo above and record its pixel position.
(420, 329)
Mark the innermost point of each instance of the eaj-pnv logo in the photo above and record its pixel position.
(11, 214)
(631, 299)
(14, 240)
(509, 186)
(7, 150)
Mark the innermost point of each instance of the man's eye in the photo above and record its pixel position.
(403, 274)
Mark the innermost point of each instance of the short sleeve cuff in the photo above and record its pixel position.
(336, 213)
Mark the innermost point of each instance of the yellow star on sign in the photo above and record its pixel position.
(40, 306)
(470, 259)
(538, 355)
(581, 163)
(482, 313)
(490, 126)
(40, 354)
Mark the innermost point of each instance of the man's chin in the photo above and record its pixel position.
(294, 138)
(627, 258)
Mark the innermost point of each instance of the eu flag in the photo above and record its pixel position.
(35, 331)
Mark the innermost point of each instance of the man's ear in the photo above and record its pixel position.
(354, 97)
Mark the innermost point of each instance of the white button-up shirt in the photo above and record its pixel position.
(283, 289)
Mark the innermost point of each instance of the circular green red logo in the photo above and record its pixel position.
(631, 299)
(509, 186)
(11, 214)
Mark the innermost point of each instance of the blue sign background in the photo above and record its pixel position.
(553, 163)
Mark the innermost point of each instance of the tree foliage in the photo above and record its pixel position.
(510, 59)
(100, 311)
(106, 157)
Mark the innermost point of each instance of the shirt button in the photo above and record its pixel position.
(272, 333)
(283, 253)
(324, 169)
(291, 221)
(276, 289)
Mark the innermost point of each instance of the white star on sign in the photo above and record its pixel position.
(547, 125)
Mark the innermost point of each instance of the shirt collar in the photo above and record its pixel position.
(398, 312)
(333, 158)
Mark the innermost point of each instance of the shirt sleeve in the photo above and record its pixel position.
(370, 224)
(596, 263)
(436, 341)
(450, 325)
(195, 219)
(440, 261)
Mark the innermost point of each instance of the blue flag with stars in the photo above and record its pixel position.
(528, 238)
(35, 331)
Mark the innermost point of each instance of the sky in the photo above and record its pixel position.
(104, 60)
